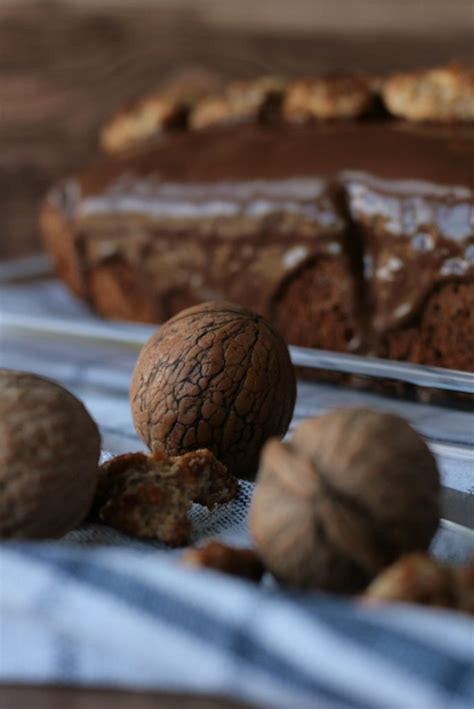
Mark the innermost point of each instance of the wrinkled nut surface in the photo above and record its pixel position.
(418, 578)
(326, 98)
(229, 560)
(149, 496)
(350, 492)
(242, 101)
(215, 376)
(49, 454)
(443, 94)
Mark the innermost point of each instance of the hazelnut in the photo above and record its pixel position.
(351, 492)
(229, 560)
(149, 496)
(418, 578)
(49, 456)
(215, 376)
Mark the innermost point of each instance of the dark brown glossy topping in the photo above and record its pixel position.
(437, 154)
(417, 235)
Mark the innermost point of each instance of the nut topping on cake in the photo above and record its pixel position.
(443, 94)
(326, 98)
(155, 114)
(243, 101)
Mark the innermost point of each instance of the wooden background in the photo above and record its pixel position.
(66, 65)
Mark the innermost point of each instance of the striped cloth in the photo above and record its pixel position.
(133, 618)
(98, 608)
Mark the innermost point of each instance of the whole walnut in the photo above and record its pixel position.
(49, 454)
(215, 376)
(351, 492)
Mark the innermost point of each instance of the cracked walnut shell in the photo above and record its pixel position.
(350, 492)
(215, 376)
(49, 455)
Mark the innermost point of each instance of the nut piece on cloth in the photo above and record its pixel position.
(350, 492)
(418, 578)
(215, 376)
(149, 496)
(228, 560)
(443, 94)
(241, 102)
(326, 98)
(49, 455)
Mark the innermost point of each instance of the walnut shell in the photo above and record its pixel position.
(49, 456)
(215, 376)
(350, 493)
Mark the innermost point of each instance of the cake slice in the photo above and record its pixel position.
(327, 204)
(419, 268)
(225, 213)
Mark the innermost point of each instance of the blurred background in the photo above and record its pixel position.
(66, 65)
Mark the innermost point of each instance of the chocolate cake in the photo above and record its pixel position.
(340, 208)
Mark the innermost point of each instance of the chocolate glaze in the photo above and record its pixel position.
(254, 195)
(265, 229)
(389, 149)
(417, 236)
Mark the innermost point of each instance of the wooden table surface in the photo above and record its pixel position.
(21, 697)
